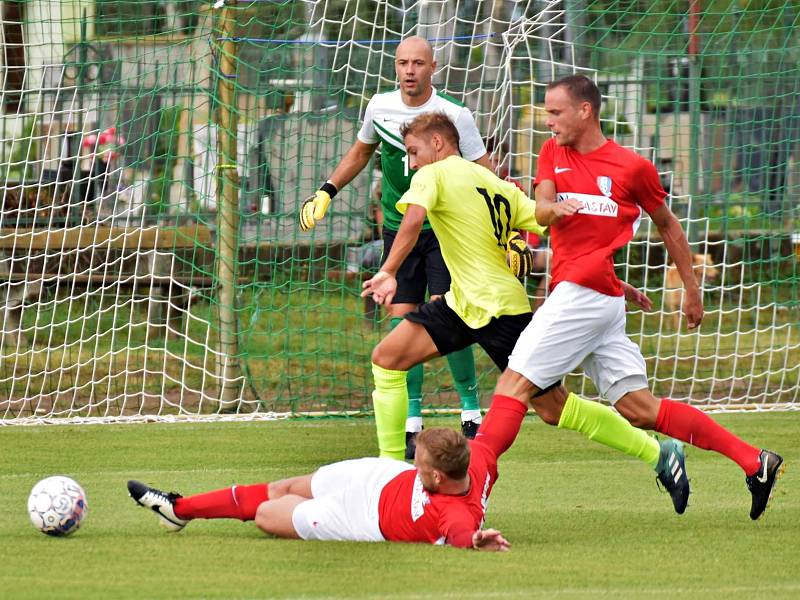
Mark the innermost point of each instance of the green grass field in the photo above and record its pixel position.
(584, 521)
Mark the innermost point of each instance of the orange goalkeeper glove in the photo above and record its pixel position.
(518, 255)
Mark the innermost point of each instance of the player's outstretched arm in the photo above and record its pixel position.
(490, 540)
(315, 206)
(679, 251)
(352, 163)
(382, 287)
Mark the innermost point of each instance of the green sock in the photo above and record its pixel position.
(601, 424)
(413, 381)
(390, 402)
(462, 366)
(415, 407)
(414, 384)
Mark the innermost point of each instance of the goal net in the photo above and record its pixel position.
(153, 157)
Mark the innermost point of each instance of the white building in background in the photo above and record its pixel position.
(65, 82)
(79, 80)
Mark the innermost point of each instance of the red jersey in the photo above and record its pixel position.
(409, 513)
(614, 184)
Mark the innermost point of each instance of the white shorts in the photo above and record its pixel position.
(345, 503)
(577, 326)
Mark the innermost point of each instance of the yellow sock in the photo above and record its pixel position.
(390, 402)
(601, 424)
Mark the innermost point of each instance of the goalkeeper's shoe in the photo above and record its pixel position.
(411, 444)
(762, 482)
(161, 503)
(469, 429)
(671, 471)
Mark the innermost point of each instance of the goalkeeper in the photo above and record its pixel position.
(423, 267)
(474, 214)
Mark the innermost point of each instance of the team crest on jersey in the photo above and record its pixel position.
(604, 183)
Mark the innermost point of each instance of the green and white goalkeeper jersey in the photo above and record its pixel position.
(384, 116)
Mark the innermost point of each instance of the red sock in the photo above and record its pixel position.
(237, 502)
(693, 426)
(501, 424)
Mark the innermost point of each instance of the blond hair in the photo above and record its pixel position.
(426, 124)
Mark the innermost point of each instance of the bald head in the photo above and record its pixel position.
(415, 66)
(416, 45)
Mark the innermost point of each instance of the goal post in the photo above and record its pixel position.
(154, 155)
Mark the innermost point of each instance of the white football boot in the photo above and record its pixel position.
(162, 503)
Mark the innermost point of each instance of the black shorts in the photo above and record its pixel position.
(422, 270)
(451, 334)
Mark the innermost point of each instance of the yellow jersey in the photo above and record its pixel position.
(472, 212)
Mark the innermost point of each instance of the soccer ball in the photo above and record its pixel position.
(57, 505)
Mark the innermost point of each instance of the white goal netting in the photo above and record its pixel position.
(153, 157)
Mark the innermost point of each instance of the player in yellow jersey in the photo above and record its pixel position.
(474, 215)
(423, 273)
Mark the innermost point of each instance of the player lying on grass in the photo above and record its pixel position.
(442, 499)
(474, 214)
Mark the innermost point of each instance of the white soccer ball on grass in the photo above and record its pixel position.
(57, 505)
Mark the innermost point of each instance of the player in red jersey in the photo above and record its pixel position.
(591, 192)
(441, 499)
